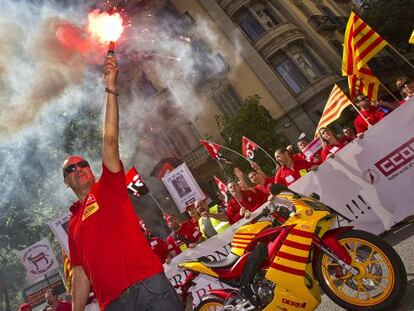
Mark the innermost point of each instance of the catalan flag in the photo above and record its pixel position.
(68, 271)
(336, 103)
(361, 43)
(411, 38)
(363, 82)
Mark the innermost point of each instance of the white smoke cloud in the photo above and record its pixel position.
(47, 85)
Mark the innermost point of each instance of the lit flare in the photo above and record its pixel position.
(106, 27)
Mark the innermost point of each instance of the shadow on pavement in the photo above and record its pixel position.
(400, 232)
(407, 303)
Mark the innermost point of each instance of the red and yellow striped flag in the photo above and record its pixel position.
(363, 82)
(361, 43)
(336, 103)
(68, 271)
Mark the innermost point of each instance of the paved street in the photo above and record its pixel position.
(402, 238)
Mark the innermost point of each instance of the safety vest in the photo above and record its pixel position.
(219, 226)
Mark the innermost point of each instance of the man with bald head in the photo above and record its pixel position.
(106, 249)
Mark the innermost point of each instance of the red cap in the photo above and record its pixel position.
(25, 307)
(168, 217)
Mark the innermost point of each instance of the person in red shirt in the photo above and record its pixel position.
(243, 202)
(25, 307)
(332, 144)
(103, 227)
(369, 112)
(315, 158)
(291, 169)
(259, 179)
(158, 245)
(184, 235)
(406, 87)
(55, 304)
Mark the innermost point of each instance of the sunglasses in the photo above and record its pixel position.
(404, 84)
(71, 168)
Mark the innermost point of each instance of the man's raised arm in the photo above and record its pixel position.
(110, 132)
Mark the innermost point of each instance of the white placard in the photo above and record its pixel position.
(59, 227)
(183, 187)
(38, 259)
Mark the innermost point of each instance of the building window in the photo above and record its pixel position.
(264, 15)
(290, 73)
(306, 62)
(249, 24)
(304, 9)
(228, 101)
(175, 142)
(297, 66)
(328, 12)
(145, 87)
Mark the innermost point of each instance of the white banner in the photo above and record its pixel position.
(183, 187)
(59, 227)
(38, 260)
(370, 180)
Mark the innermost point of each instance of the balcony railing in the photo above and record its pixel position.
(322, 23)
(196, 157)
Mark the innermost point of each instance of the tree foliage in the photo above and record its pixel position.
(255, 122)
(393, 19)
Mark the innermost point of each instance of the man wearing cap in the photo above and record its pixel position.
(106, 249)
(184, 235)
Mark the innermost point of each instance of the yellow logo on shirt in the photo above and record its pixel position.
(303, 172)
(89, 210)
(183, 247)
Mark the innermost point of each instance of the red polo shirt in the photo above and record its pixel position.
(64, 306)
(373, 115)
(104, 240)
(180, 240)
(334, 148)
(159, 247)
(286, 176)
(251, 200)
(269, 181)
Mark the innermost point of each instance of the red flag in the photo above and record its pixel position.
(135, 184)
(221, 185)
(212, 148)
(248, 148)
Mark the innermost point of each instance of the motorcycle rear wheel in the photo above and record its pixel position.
(381, 283)
(211, 303)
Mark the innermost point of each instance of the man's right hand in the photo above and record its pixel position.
(111, 73)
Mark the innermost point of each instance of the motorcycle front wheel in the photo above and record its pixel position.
(211, 303)
(380, 283)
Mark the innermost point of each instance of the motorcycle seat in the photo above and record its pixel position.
(229, 261)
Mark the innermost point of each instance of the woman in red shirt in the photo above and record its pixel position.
(331, 142)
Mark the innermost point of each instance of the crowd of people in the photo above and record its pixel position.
(246, 195)
(104, 225)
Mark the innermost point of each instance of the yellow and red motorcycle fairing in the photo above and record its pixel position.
(293, 254)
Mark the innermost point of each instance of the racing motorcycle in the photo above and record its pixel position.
(279, 260)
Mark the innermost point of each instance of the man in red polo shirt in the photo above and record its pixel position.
(184, 235)
(243, 202)
(291, 169)
(371, 113)
(55, 304)
(106, 249)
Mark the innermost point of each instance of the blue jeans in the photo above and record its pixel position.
(152, 294)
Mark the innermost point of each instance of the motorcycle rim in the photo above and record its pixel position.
(212, 306)
(376, 278)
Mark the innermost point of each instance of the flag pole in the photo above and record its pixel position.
(274, 161)
(359, 112)
(400, 55)
(234, 151)
(156, 202)
(389, 92)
